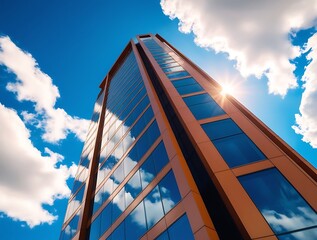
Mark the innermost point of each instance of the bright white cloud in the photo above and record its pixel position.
(35, 86)
(253, 33)
(27, 179)
(306, 120)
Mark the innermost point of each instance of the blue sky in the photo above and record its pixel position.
(54, 54)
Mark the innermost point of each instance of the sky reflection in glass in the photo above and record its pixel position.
(281, 205)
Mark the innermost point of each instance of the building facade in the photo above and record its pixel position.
(167, 156)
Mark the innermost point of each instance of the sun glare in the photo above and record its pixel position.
(227, 89)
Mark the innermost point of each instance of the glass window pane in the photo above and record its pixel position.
(97, 201)
(169, 191)
(147, 171)
(238, 150)
(165, 60)
(118, 233)
(184, 82)
(206, 110)
(135, 223)
(189, 89)
(304, 234)
(181, 229)
(163, 236)
(173, 64)
(197, 99)
(168, 64)
(133, 188)
(160, 157)
(153, 207)
(105, 222)
(173, 69)
(118, 205)
(129, 164)
(118, 174)
(95, 228)
(71, 229)
(221, 129)
(177, 75)
(278, 201)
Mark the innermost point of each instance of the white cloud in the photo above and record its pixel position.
(306, 120)
(34, 85)
(27, 179)
(253, 33)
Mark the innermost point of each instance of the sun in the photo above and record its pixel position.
(227, 89)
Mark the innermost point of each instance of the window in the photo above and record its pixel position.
(71, 229)
(280, 204)
(233, 145)
(178, 230)
(135, 223)
(118, 233)
(221, 129)
(173, 69)
(153, 207)
(133, 188)
(177, 75)
(169, 192)
(118, 205)
(238, 150)
(187, 85)
(203, 106)
(173, 64)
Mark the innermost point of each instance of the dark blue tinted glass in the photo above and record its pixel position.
(147, 171)
(77, 184)
(173, 69)
(105, 221)
(103, 194)
(300, 235)
(206, 110)
(238, 150)
(189, 89)
(177, 75)
(71, 229)
(135, 223)
(281, 205)
(168, 63)
(118, 205)
(165, 60)
(118, 174)
(145, 142)
(181, 230)
(133, 188)
(169, 192)
(163, 236)
(153, 207)
(221, 129)
(160, 157)
(118, 233)
(142, 122)
(197, 99)
(97, 200)
(174, 64)
(184, 82)
(203, 106)
(95, 228)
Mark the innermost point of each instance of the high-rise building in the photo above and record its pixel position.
(168, 156)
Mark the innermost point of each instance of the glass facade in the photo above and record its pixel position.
(180, 229)
(135, 171)
(131, 156)
(281, 205)
(233, 145)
